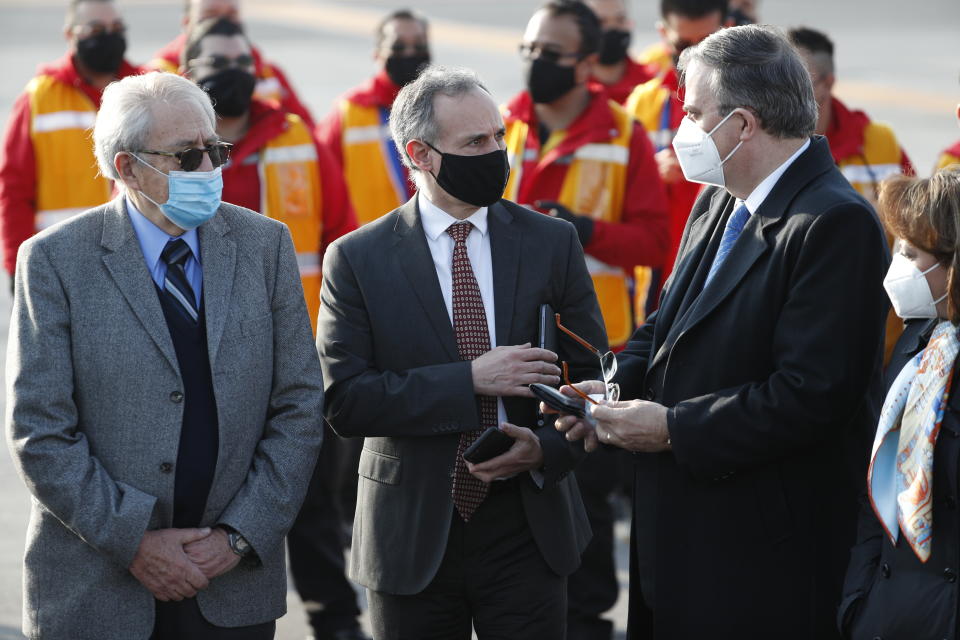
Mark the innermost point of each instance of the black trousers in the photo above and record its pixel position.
(492, 576)
(593, 588)
(316, 543)
(183, 621)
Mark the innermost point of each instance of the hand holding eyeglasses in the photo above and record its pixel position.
(506, 371)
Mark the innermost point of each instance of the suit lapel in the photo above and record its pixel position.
(218, 255)
(414, 259)
(505, 240)
(690, 274)
(128, 268)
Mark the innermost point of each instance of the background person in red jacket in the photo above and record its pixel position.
(615, 69)
(356, 129)
(47, 169)
(277, 168)
(272, 83)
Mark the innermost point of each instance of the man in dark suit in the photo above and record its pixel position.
(426, 324)
(752, 393)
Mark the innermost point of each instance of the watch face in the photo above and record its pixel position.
(239, 544)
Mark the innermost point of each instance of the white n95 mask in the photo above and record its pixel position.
(697, 152)
(908, 289)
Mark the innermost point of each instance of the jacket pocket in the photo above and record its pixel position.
(379, 467)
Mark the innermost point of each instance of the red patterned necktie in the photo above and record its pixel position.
(473, 340)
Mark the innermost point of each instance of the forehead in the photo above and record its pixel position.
(466, 115)
(694, 29)
(403, 29)
(561, 31)
(698, 96)
(609, 10)
(92, 11)
(223, 46)
(175, 126)
(216, 8)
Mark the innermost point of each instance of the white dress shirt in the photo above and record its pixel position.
(435, 222)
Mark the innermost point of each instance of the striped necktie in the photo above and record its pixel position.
(175, 283)
(473, 340)
(731, 232)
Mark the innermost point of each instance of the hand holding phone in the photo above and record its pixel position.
(492, 443)
(557, 401)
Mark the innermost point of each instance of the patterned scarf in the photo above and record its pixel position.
(900, 477)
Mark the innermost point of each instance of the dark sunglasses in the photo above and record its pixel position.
(219, 63)
(527, 52)
(191, 158)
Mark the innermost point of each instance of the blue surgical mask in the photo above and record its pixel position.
(193, 196)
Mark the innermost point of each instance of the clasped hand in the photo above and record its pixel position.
(634, 425)
(174, 564)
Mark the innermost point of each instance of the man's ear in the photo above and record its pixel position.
(584, 68)
(751, 124)
(419, 153)
(123, 162)
(831, 79)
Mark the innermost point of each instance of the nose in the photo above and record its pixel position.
(205, 164)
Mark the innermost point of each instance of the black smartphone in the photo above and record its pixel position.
(546, 339)
(556, 400)
(490, 444)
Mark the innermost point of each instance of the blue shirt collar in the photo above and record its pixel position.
(153, 239)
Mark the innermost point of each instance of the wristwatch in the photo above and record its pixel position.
(239, 544)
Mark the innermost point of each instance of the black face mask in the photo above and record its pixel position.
(230, 91)
(476, 180)
(403, 70)
(102, 53)
(548, 81)
(613, 46)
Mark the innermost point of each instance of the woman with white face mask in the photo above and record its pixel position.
(902, 581)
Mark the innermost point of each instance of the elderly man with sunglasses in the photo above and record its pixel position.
(47, 170)
(164, 397)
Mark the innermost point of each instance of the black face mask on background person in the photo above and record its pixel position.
(403, 70)
(477, 180)
(231, 91)
(102, 53)
(548, 81)
(613, 46)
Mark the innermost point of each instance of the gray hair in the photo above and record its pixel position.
(126, 113)
(412, 116)
(756, 67)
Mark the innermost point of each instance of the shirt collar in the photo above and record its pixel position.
(153, 239)
(760, 193)
(435, 220)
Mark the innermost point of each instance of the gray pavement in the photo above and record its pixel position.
(898, 61)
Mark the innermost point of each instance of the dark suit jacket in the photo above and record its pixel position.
(772, 376)
(393, 375)
(888, 592)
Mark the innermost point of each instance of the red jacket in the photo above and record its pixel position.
(378, 91)
(18, 171)
(847, 132)
(241, 178)
(264, 70)
(634, 74)
(640, 237)
(949, 156)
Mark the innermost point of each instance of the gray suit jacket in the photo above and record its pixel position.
(393, 375)
(91, 418)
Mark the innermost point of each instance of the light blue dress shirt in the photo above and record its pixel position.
(153, 239)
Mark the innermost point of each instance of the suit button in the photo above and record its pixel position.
(885, 570)
(166, 467)
(949, 575)
(176, 396)
(648, 396)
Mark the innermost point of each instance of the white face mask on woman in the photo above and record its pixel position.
(908, 289)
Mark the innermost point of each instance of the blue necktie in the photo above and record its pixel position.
(176, 284)
(732, 231)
